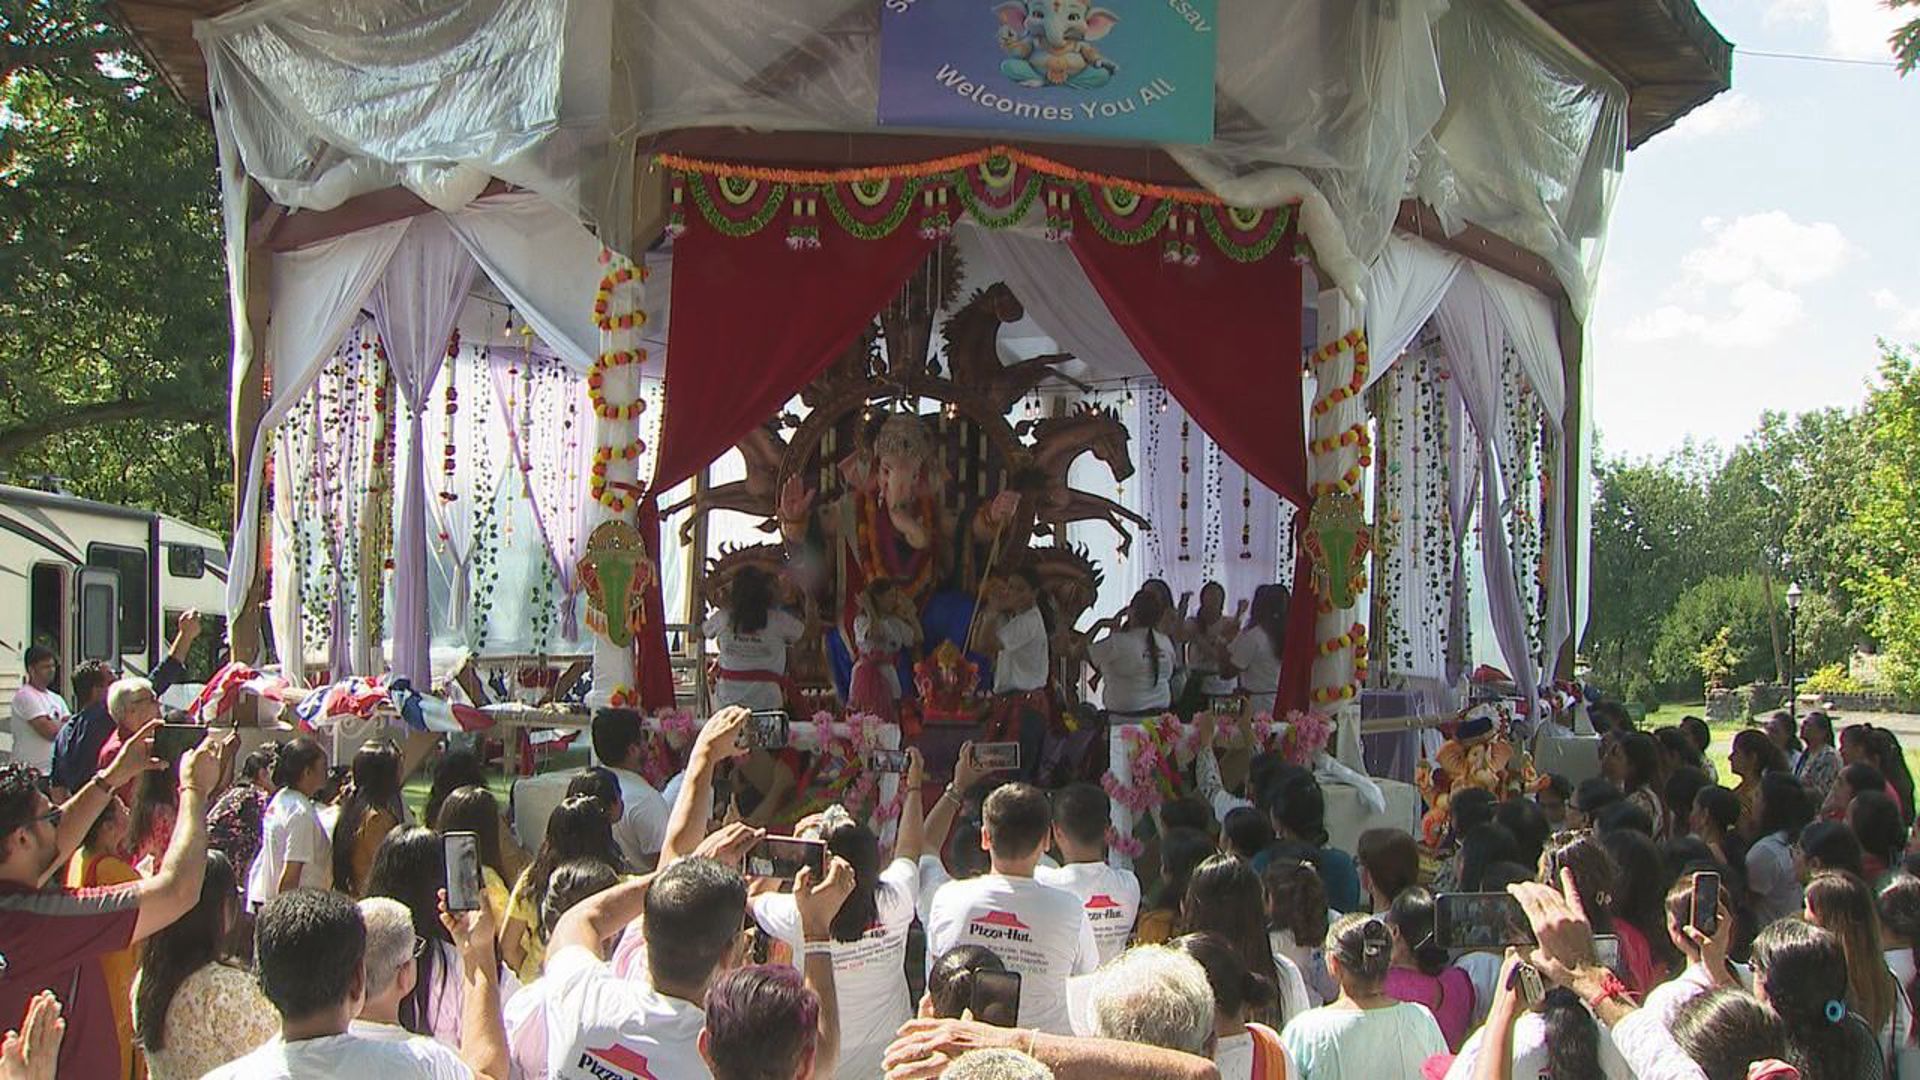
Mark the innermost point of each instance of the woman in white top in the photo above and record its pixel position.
(1208, 636)
(295, 851)
(1255, 653)
(869, 932)
(1135, 661)
(1243, 1050)
(1364, 1034)
(753, 638)
(1019, 645)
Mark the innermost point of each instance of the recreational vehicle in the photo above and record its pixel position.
(93, 581)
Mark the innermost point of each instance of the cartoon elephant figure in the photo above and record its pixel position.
(1047, 43)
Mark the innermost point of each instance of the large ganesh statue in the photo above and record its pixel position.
(904, 466)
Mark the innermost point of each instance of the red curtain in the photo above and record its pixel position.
(753, 322)
(1224, 338)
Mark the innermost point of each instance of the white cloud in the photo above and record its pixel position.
(1854, 28)
(1730, 112)
(1740, 289)
(1905, 317)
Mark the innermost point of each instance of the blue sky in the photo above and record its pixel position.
(1760, 247)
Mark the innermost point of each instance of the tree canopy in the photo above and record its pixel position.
(113, 359)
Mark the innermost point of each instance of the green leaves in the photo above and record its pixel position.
(112, 294)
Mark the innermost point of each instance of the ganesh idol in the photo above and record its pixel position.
(892, 525)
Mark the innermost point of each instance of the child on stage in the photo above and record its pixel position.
(1017, 642)
(886, 624)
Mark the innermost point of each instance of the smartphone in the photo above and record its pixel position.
(1706, 902)
(996, 756)
(767, 729)
(782, 857)
(172, 741)
(1606, 949)
(1526, 981)
(996, 998)
(1482, 920)
(463, 871)
(887, 761)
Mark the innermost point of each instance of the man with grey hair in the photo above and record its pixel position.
(391, 972)
(1155, 996)
(133, 704)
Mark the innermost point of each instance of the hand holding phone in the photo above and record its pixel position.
(174, 740)
(462, 851)
(1482, 920)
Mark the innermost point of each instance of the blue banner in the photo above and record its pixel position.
(1134, 70)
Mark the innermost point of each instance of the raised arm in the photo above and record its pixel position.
(483, 1032)
(173, 669)
(924, 1048)
(939, 821)
(174, 889)
(913, 827)
(90, 800)
(718, 741)
(818, 902)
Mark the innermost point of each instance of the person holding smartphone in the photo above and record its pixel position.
(1040, 931)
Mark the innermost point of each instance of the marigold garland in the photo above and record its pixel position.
(935, 166)
(596, 383)
(615, 497)
(603, 316)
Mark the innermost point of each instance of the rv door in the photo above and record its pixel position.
(99, 611)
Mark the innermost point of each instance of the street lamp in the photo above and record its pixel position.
(1793, 650)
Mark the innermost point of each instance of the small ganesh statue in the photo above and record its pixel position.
(1478, 753)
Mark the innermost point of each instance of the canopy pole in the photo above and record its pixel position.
(249, 410)
(1573, 362)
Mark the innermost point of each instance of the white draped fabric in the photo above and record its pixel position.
(317, 293)
(544, 262)
(1057, 295)
(1404, 288)
(1475, 340)
(1212, 514)
(414, 308)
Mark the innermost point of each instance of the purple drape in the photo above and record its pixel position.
(414, 308)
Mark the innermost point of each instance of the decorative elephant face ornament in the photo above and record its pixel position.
(1338, 541)
(615, 573)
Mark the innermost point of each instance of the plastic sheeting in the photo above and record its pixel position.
(1335, 102)
(1532, 143)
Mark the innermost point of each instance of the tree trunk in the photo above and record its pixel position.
(1773, 624)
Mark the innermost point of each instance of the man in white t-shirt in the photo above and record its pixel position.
(37, 711)
(1110, 895)
(311, 947)
(1037, 930)
(620, 744)
(693, 916)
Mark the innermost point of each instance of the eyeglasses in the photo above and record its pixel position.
(419, 946)
(52, 817)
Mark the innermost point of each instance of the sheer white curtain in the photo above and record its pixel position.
(317, 292)
(414, 307)
(1475, 340)
(545, 262)
(1404, 288)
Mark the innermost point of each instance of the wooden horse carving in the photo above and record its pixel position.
(973, 353)
(763, 449)
(1058, 442)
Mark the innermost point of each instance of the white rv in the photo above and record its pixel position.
(98, 582)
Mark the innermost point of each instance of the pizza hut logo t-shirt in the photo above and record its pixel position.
(1111, 897)
(603, 1027)
(1037, 930)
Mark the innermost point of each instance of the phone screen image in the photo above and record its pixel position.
(781, 857)
(767, 729)
(996, 998)
(463, 871)
(888, 761)
(1706, 902)
(1483, 920)
(172, 741)
(996, 756)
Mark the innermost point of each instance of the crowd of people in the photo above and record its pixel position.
(285, 918)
